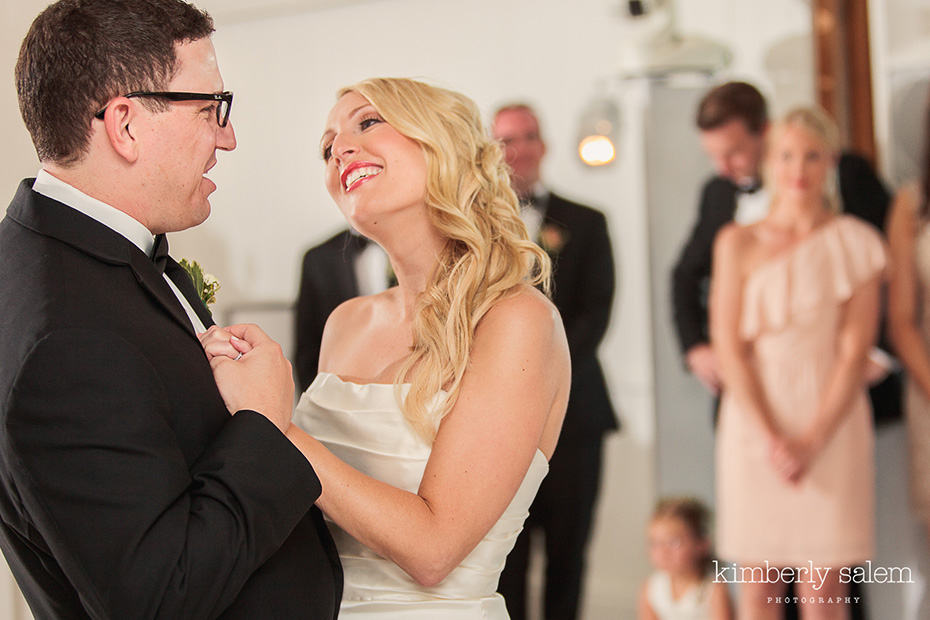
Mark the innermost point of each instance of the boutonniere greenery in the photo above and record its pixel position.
(553, 238)
(205, 284)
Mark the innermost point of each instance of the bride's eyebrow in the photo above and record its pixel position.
(355, 112)
(329, 132)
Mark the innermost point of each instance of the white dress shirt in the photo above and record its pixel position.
(533, 211)
(371, 269)
(114, 219)
(751, 207)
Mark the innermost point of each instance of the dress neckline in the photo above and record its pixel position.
(354, 384)
(357, 383)
(786, 253)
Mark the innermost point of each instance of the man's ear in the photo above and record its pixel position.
(118, 119)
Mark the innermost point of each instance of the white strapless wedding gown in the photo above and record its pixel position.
(363, 426)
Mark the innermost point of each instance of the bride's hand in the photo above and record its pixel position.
(217, 342)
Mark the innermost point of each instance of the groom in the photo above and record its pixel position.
(126, 488)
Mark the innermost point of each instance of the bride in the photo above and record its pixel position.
(439, 401)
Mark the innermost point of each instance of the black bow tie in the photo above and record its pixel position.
(751, 188)
(160, 252)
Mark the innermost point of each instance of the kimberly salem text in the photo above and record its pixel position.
(730, 572)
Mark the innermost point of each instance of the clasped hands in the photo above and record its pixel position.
(791, 456)
(251, 371)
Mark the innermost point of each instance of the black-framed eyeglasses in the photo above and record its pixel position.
(223, 101)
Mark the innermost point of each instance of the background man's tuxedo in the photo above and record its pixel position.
(862, 194)
(126, 488)
(327, 278)
(582, 289)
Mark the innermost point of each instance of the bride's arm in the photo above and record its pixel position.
(514, 391)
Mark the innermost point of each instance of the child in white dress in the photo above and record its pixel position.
(682, 588)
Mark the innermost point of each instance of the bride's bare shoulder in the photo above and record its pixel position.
(357, 311)
(349, 321)
(348, 312)
(525, 317)
(523, 303)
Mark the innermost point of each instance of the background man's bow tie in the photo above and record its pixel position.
(749, 188)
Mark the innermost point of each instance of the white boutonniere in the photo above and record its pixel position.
(552, 238)
(205, 284)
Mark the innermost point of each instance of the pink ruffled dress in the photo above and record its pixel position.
(792, 311)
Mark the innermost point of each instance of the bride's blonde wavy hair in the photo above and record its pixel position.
(487, 253)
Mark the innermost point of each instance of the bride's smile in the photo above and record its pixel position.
(372, 170)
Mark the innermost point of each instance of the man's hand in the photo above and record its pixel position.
(260, 379)
(702, 362)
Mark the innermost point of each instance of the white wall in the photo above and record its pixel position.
(17, 157)
(285, 65)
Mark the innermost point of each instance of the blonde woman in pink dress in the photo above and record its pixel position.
(793, 313)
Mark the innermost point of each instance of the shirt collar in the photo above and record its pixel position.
(52, 187)
(538, 199)
(749, 187)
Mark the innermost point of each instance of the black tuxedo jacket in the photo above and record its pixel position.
(126, 488)
(575, 237)
(327, 278)
(862, 194)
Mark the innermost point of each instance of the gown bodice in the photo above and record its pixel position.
(363, 425)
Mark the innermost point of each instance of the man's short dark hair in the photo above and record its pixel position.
(79, 54)
(733, 101)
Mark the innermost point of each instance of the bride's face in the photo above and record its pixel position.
(372, 170)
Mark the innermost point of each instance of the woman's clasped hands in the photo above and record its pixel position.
(251, 371)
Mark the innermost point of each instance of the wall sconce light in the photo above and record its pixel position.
(599, 132)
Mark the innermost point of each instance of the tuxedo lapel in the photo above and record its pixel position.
(555, 230)
(184, 283)
(554, 213)
(730, 193)
(51, 218)
(154, 282)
